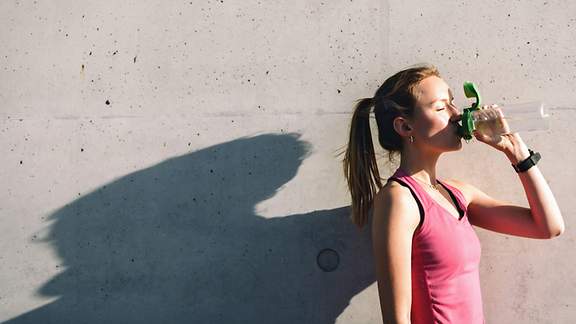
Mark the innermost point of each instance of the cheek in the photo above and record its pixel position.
(444, 120)
(431, 125)
(440, 119)
(433, 122)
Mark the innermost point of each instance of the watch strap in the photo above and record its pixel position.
(528, 162)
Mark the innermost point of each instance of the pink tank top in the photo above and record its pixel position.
(445, 259)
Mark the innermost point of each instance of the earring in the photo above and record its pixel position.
(411, 139)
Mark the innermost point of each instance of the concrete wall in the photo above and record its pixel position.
(176, 162)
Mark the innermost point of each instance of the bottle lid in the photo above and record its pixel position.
(471, 91)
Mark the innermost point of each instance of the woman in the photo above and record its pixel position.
(425, 250)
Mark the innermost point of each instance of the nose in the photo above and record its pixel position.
(456, 114)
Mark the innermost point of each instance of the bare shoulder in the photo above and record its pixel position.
(394, 202)
(393, 191)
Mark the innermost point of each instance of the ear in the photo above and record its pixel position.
(402, 126)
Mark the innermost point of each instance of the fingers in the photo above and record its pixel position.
(479, 136)
(491, 111)
(489, 106)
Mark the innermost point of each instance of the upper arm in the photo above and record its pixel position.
(497, 215)
(395, 218)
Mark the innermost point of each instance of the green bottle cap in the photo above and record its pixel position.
(467, 127)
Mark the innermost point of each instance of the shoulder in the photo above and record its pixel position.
(395, 203)
(393, 192)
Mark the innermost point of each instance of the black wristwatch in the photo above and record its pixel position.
(528, 162)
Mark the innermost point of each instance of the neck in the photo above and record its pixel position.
(420, 164)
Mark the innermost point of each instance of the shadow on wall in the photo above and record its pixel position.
(180, 242)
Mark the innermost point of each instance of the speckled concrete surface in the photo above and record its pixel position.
(177, 161)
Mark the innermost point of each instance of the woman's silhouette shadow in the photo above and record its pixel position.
(180, 242)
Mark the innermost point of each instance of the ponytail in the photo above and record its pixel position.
(360, 166)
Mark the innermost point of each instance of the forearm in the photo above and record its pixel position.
(543, 206)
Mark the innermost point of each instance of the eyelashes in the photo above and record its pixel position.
(451, 103)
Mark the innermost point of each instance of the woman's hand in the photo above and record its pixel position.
(496, 133)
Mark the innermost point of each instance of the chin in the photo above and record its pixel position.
(457, 147)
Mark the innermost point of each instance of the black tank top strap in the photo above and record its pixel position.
(414, 194)
(457, 197)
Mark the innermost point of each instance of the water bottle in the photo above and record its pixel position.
(499, 120)
(511, 118)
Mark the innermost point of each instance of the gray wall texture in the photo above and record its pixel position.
(177, 161)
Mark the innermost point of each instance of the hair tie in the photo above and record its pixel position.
(367, 108)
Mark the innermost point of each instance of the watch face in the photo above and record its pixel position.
(528, 163)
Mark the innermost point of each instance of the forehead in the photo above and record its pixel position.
(432, 88)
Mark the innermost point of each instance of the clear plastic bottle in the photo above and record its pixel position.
(513, 118)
